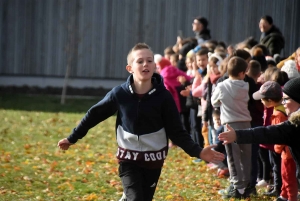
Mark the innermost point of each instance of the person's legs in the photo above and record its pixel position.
(195, 126)
(264, 157)
(239, 165)
(138, 183)
(275, 160)
(289, 188)
(254, 164)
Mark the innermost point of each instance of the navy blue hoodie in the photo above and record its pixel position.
(143, 126)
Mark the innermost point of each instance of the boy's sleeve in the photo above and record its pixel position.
(216, 96)
(97, 113)
(175, 130)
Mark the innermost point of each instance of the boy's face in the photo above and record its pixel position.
(267, 103)
(142, 66)
(202, 61)
(289, 104)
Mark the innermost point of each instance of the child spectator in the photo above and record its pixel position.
(232, 97)
(283, 133)
(291, 69)
(270, 94)
(210, 81)
(219, 128)
(174, 58)
(197, 89)
(168, 52)
(146, 118)
(260, 168)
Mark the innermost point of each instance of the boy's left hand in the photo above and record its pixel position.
(210, 155)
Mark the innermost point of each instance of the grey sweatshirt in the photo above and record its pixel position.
(233, 97)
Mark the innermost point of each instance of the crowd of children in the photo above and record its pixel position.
(187, 96)
(238, 85)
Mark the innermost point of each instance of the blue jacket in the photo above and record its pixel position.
(143, 126)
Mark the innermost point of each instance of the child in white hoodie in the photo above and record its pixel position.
(232, 97)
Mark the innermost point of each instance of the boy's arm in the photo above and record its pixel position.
(97, 113)
(175, 131)
(216, 96)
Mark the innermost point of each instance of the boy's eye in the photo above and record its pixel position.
(150, 61)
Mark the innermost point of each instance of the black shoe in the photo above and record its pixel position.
(273, 193)
(280, 199)
(235, 194)
(250, 190)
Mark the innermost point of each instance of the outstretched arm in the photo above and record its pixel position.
(210, 155)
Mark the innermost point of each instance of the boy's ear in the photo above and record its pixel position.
(129, 69)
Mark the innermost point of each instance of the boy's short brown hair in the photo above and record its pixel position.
(236, 65)
(169, 50)
(138, 46)
(254, 68)
(202, 51)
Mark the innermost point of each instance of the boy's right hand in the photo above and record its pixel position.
(64, 144)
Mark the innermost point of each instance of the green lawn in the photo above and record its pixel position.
(33, 168)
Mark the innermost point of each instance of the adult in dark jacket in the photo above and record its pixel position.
(287, 132)
(202, 33)
(271, 36)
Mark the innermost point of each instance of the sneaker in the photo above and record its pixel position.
(235, 194)
(273, 193)
(226, 191)
(262, 184)
(197, 161)
(251, 190)
(281, 199)
(123, 198)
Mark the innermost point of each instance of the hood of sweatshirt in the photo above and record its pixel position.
(237, 89)
(157, 81)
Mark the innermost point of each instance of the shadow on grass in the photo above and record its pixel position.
(46, 103)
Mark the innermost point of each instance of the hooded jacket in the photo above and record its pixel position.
(273, 40)
(233, 96)
(287, 133)
(143, 126)
(170, 74)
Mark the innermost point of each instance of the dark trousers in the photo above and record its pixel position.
(195, 123)
(275, 160)
(139, 183)
(254, 167)
(185, 119)
(265, 174)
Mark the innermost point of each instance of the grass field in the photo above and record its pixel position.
(33, 168)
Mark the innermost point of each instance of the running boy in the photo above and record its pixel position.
(146, 118)
(232, 97)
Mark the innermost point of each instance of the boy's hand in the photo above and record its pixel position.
(210, 155)
(228, 136)
(64, 144)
